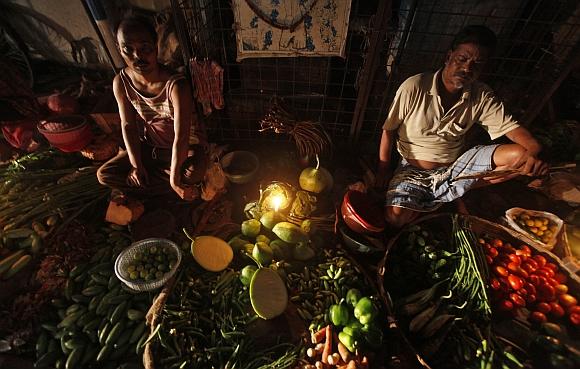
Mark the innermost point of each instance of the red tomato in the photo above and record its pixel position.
(575, 319)
(543, 307)
(522, 254)
(532, 262)
(546, 292)
(522, 292)
(515, 282)
(573, 309)
(552, 266)
(526, 249)
(534, 279)
(560, 277)
(540, 259)
(530, 288)
(494, 284)
(517, 300)
(528, 267)
(556, 310)
(492, 252)
(543, 272)
(488, 259)
(538, 317)
(549, 273)
(542, 280)
(522, 273)
(496, 242)
(515, 259)
(501, 271)
(505, 305)
(530, 298)
(513, 267)
(481, 241)
(552, 282)
(509, 248)
(567, 300)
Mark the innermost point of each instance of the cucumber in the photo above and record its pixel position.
(75, 343)
(100, 279)
(137, 332)
(93, 290)
(78, 270)
(80, 298)
(134, 314)
(18, 233)
(104, 333)
(115, 333)
(118, 299)
(92, 325)
(90, 354)
(119, 311)
(104, 353)
(74, 308)
(113, 281)
(124, 338)
(47, 359)
(58, 303)
(42, 344)
(70, 319)
(7, 262)
(51, 327)
(69, 288)
(94, 302)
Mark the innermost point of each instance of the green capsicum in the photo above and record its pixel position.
(352, 296)
(364, 310)
(339, 314)
(347, 340)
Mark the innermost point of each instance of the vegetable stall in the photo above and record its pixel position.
(280, 289)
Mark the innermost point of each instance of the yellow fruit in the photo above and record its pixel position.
(538, 223)
(524, 216)
(316, 179)
(530, 222)
(212, 253)
(268, 293)
(251, 227)
(534, 230)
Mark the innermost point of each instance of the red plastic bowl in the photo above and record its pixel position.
(360, 214)
(67, 133)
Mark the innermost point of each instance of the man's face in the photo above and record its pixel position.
(138, 49)
(463, 65)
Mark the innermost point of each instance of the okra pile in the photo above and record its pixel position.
(204, 324)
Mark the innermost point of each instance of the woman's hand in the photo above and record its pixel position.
(138, 177)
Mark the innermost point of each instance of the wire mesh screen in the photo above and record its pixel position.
(320, 89)
(536, 40)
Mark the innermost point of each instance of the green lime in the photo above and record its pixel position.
(262, 253)
(251, 227)
(247, 273)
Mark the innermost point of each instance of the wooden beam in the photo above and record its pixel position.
(381, 19)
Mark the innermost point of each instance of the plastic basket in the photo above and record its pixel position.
(127, 256)
(67, 133)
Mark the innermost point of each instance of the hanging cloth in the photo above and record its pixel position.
(208, 82)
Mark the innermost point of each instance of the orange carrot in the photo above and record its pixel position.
(317, 337)
(327, 345)
(343, 351)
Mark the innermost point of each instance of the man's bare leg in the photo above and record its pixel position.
(398, 217)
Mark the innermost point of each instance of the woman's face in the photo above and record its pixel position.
(138, 49)
(464, 65)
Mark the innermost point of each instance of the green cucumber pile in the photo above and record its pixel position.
(98, 322)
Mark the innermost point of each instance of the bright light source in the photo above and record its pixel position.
(277, 201)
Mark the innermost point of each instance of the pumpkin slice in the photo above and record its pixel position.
(268, 293)
(212, 253)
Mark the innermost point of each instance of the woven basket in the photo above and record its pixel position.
(127, 256)
(442, 222)
(101, 148)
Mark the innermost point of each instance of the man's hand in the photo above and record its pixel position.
(138, 177)
(529, 165)
(187, 193)
(383, 177)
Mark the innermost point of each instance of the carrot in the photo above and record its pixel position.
(343, 351)
(317, 337)
(351, 365)
(327, 345)
(364, 363)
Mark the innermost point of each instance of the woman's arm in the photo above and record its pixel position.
(183, 114)
(138, 175)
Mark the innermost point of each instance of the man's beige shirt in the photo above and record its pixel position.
(426, 132)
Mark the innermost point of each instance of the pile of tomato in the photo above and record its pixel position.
(521, 279)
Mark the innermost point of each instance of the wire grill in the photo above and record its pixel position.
(538, 40)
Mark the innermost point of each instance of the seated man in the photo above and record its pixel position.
(157, 146)
(428, 120)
